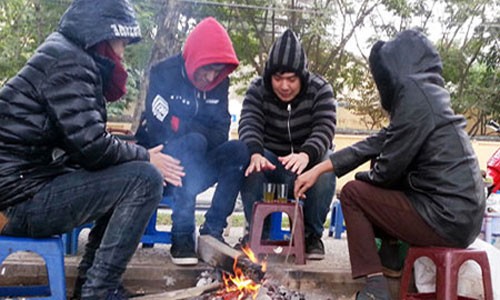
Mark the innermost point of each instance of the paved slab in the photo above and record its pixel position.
(151, 270)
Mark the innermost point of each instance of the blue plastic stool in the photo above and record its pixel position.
(153, 236)
(277, 233)
(336, 220)
(70, 239)
(51, 250)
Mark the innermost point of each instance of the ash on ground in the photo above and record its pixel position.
(269, 290)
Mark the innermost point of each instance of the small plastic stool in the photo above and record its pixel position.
(153, 236)
(336, 220)
(448, 262)
(51, 250)
(70, 239)
(260, 211)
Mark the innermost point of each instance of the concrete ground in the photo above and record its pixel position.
(151, 270)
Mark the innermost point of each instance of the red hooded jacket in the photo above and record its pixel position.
(207, 44)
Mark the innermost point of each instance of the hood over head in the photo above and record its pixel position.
(88, 22)
(409, 53)
(207, 44)
(286, 55)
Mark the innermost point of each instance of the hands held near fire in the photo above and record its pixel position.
(258, 163)
(169, 167)
(309, 178)
(294, 162)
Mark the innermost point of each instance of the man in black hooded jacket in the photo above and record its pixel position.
(59, 167)
(425, 186)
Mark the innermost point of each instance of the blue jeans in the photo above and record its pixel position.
(120, 199)
(319, 196)
(224, 165)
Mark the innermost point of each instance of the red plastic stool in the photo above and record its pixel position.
(448, 262)
(260, 211)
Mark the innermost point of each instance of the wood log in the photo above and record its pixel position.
(184, 293)
(221, 256)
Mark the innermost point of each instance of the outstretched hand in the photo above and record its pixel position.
(169, 167)
(295, 162)
(258, 163)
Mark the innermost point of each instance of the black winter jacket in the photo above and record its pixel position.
(425, 150)
(53, 114)
(172, 96)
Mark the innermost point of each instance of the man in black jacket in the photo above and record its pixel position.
(187, 111)
(288, 122)
(59, 168)
(425, 186)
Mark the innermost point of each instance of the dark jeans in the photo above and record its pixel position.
(316, 206)
(120, 199)
(370, 212)
(224, 165)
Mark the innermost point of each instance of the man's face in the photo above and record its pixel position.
(205, 75)
(118, 46)
(286, 85)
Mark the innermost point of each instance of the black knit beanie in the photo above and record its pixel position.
(286, 55)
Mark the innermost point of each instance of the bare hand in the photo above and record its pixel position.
(295, 162)
(258, 163)
(305, 182)
(309, 178)
(169, 167)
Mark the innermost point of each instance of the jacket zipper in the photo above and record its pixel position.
(289, 109)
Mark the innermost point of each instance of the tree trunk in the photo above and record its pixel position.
(166, 44)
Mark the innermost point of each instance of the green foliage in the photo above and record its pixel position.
(24, 24)
(468, 42)
(454, 62)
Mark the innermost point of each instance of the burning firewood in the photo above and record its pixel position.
(221, 256)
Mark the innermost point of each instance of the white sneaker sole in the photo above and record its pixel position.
(184, 261)
(315, 256)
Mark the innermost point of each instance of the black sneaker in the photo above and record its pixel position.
(315, 250)
(119, 293)
(183, 251)
(376, 288)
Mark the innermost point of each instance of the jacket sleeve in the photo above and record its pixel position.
(349, 158)
(411, 123)
(323, 127)
(77, 109)
(158, 117)
(251, 125)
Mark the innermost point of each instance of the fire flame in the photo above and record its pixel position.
(239, 282)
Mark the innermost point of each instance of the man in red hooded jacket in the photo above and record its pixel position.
(187, 112)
